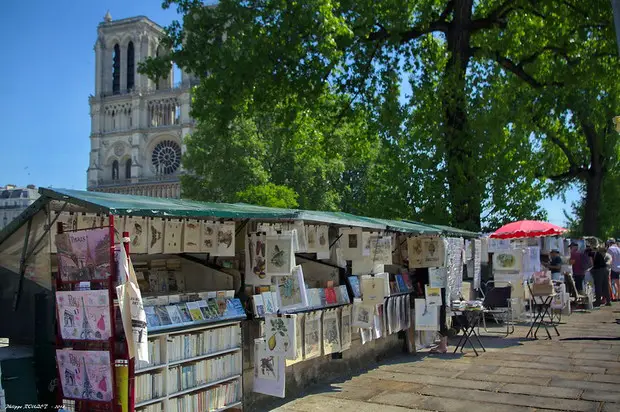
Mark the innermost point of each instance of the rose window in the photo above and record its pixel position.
(166, 157)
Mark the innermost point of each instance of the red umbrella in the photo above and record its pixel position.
(527, 228)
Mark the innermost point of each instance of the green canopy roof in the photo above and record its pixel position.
(449, 231)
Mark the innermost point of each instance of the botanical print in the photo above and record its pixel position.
(351, 243)
(85, 374)
(291, 290)
(322, 246)
(268, 302)
(508, 261)
(208, 237)
(331, 332)
(173, 229)
(362, 315)
(255, 273)
(299, 340)
(280, 335)
(312, 335)
(438, 277)
(345, 327)
(84, 315)
(269, 371)
(226, 239)
(279, 254)
(311, 236)
(155, 236)
(426, 316)
(191, 236)
(138, 233)
(84, 255)
(433, 295)
(381, 249)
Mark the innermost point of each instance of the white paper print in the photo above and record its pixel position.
(173, 230)
(322, 246)
(291, 290)
(268, 302)
(498, 245)
(138, 229)
(455, 267)
(426, 252)
(433, 295)
(91, 221)
(438, 277)
(381, 249)
(373, 289)
(269, 370)
(226, 239)
(345, 327)
(362, 315)
(507, 261)
(255, 265)
(312, 335)
(477, 263)
(331, 332)
(302, 237)
(426, 316)
(311, 237)
(299, 340)
(365, 335)
(191, 236)
(351, 243)
(366, 242)
(156, 236)
(279, 254)
(280, 335)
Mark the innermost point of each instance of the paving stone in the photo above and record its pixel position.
(501, 378)
(443, 404)
(611, 407)
(510, 399)
(320, 403)
(602, 395)
(596, 356)
(535, 373)
(540, 390)
(428, 371)
(581, 384)
(433, 380)
(605, 378)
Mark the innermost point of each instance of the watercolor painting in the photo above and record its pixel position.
(280, 335)
(84, 255)
(438, 277)
(85, 374)
(156, 236)
(84, 315)
(345, 327)
(291, 290)
(226, 239)
(312, 335)
(509, 261)
(208, 237)
(255, 264)
(362, 315)
(173, 229)
(268, 302)
(331, 332)
(279, 254)
(269, 375)
(191, 236)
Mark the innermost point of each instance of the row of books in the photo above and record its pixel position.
(149, 386)
(155, 357)
(186, 313)
(154, 407)
(172, 298)
(268, 302)
(394, 283)
(202, 343)
(209, 370)
(209, 400)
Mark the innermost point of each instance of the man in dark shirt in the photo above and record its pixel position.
(600, 274)
(555, 265)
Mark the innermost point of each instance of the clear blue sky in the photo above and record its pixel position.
(49, 67)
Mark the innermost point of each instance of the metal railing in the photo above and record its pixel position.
(138, 180)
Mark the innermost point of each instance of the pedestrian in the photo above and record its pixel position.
(600, 274)
(614, 264)
(555, 266)
(580, 262)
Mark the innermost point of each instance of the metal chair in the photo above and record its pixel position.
(497, 303)
(578, 298)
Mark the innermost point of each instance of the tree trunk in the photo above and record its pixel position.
(594, 181)
(461, 149)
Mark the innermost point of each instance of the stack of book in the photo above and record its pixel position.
(191, 312)
(210, 400)
(149, 386)
(203, 343)
(199, 373)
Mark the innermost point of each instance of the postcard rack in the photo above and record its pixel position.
(96, 394)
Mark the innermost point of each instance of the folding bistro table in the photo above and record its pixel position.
(543, 309)
(468, 319)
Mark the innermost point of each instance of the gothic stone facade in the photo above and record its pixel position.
(137, 125)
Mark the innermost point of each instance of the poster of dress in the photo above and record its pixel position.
(477, 263)
(345, 327)
(291, 290)
(373, 289)
(312, 335)
(173, 230)
(362, 315)
(280, 335)
(226, 239)
(331, 332)
(85, 374)
(426, 316)
(322, 246)
(84, 315)
(438, 277)
(279, 254)
(84, 255)
(208, 237)
(433, 295)
(381, 249)
(191, 236)
(156, 236)
(507, 261)
(351, 243)
(269, 370)
(255, 270)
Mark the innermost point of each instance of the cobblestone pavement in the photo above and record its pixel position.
(514, 374)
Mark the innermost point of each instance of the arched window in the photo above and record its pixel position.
(128, 169)
(130, 66)
(115, 170)
(116, 70)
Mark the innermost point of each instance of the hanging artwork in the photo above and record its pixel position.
(426, 316)
(302, 237)
(280, 335)
(156, 236)
(85, 375)
(208, 237)
(173, 230)
(377, 326)
(69, 222)
(414, 251)
(373, 289)
(507, 261)
(84, 315)
(269, 370)
(191, 236)
(433, 295)
(226, 239)
(268, 302)
(312, 335)
(91, 221)
(255, 273)
(331, 332)
(84, 255)
(345, 327)
(311, 236)
(322, 246)
(259, 308)
(291, 290)
(381, 249)
(137, 227)
(299, 340)
(279, 254)
(351, 243)
(425, 252)
(354, 282)
(365, 335)
(477, 244)
(454, 283)
(366, 242)
(362, 315)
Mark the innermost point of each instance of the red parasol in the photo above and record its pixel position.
(527, 228)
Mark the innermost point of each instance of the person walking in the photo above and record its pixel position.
(614, 252)
(581, 263)
(600, 274)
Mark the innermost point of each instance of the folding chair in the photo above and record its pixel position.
(497, 303)
(578, 298)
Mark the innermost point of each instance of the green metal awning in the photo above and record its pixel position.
(406, 226)
(450, 231)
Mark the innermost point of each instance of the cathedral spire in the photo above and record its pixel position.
(108, 17)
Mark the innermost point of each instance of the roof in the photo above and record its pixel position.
(450, 231)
